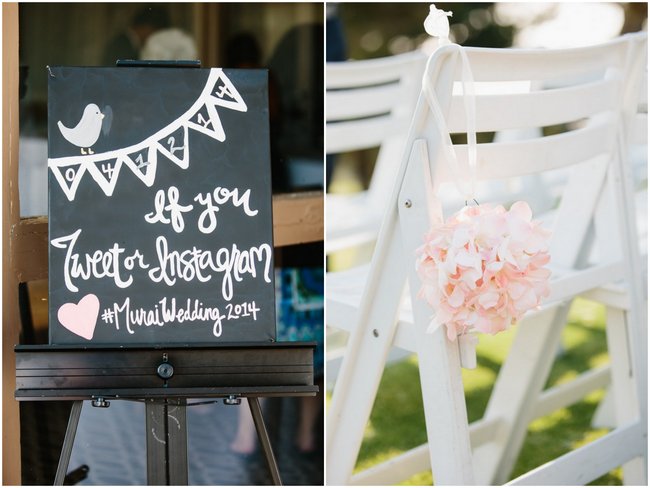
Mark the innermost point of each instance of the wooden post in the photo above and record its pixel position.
(10, 220)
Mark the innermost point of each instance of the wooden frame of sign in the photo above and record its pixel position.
(161, 252)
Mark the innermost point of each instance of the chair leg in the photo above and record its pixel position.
(445, 411)
(624, 387)
(363, 364)
(370, 342)
(604, 416)
(440, 374)
(520, 381)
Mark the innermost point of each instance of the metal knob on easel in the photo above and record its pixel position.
(165, 370)
(232, 400)
(100, 403)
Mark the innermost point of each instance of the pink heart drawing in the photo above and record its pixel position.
(80, 318)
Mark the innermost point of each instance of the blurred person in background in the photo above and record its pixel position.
(129, 44)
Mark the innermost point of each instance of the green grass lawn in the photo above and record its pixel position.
(397, 420)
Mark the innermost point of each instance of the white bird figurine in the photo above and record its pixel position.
(437, 24)
(86, 132)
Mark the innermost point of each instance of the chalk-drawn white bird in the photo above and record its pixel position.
(86, 132)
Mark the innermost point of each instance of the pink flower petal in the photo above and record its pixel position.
(522, 210)
(470, 276)
(516, 289)
(457, 298)
(468, 259)
(488, 299)
(494, 266)
(527, 301)
(460, 237)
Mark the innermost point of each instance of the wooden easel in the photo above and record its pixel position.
(165, 377)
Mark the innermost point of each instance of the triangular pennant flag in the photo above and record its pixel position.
(226, 95)
(143, 163)
(171, 142)
(206, 120)
(69, 176)
(105, 173)
(176, 147)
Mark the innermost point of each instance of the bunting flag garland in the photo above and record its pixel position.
(172, 142)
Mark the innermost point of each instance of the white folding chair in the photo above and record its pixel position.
(370, 302)
(369, 104)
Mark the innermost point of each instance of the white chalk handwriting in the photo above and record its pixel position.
(111, 263)
(219, 196)
(193, 263)
(170, 311)
(187, 265)
(168, 209)
(174, 208)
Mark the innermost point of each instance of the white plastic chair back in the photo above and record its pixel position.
(369, 104)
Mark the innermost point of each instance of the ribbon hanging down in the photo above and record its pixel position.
(482, 268)
(171, 141)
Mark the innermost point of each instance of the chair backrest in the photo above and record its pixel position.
(597, 110)
(370, 104)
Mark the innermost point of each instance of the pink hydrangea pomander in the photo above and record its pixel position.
(483, 269)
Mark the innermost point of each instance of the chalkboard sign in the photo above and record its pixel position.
(160, 216)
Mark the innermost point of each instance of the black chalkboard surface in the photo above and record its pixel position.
(160, 216)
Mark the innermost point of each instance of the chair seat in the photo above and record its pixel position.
(344, 292)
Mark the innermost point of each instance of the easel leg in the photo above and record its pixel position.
(68, 442)
(166, 443)
(177, 443)
(256, 412)
(156, 413)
